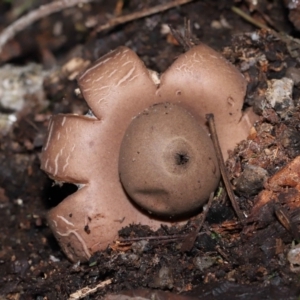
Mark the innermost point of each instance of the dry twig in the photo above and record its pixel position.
(88, 291)
(285, 219)
(147, 238)
(189, 241)
(35, 15)
(212, 128)
(184, 40)
(140, 14)
(249, 18)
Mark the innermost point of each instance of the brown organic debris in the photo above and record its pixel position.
(281, 194)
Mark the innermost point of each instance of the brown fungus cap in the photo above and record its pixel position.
(167, 163)
(85, 150)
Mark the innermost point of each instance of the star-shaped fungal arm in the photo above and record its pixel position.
(84, 150)
(202, 80)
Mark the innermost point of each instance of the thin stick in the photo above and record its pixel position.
(88, 291)
(182, 40)
(35, 15)
(248, 18)
(185, 39)
(285, 219)
(256, 23)
(189, 241)
(160, 237)
(212, 128)
(222, 253)
(140, 14)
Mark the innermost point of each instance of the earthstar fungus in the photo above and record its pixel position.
(84, 150)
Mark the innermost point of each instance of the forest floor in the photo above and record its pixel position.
(257, 260)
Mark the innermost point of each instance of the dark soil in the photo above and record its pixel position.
(228, 260)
